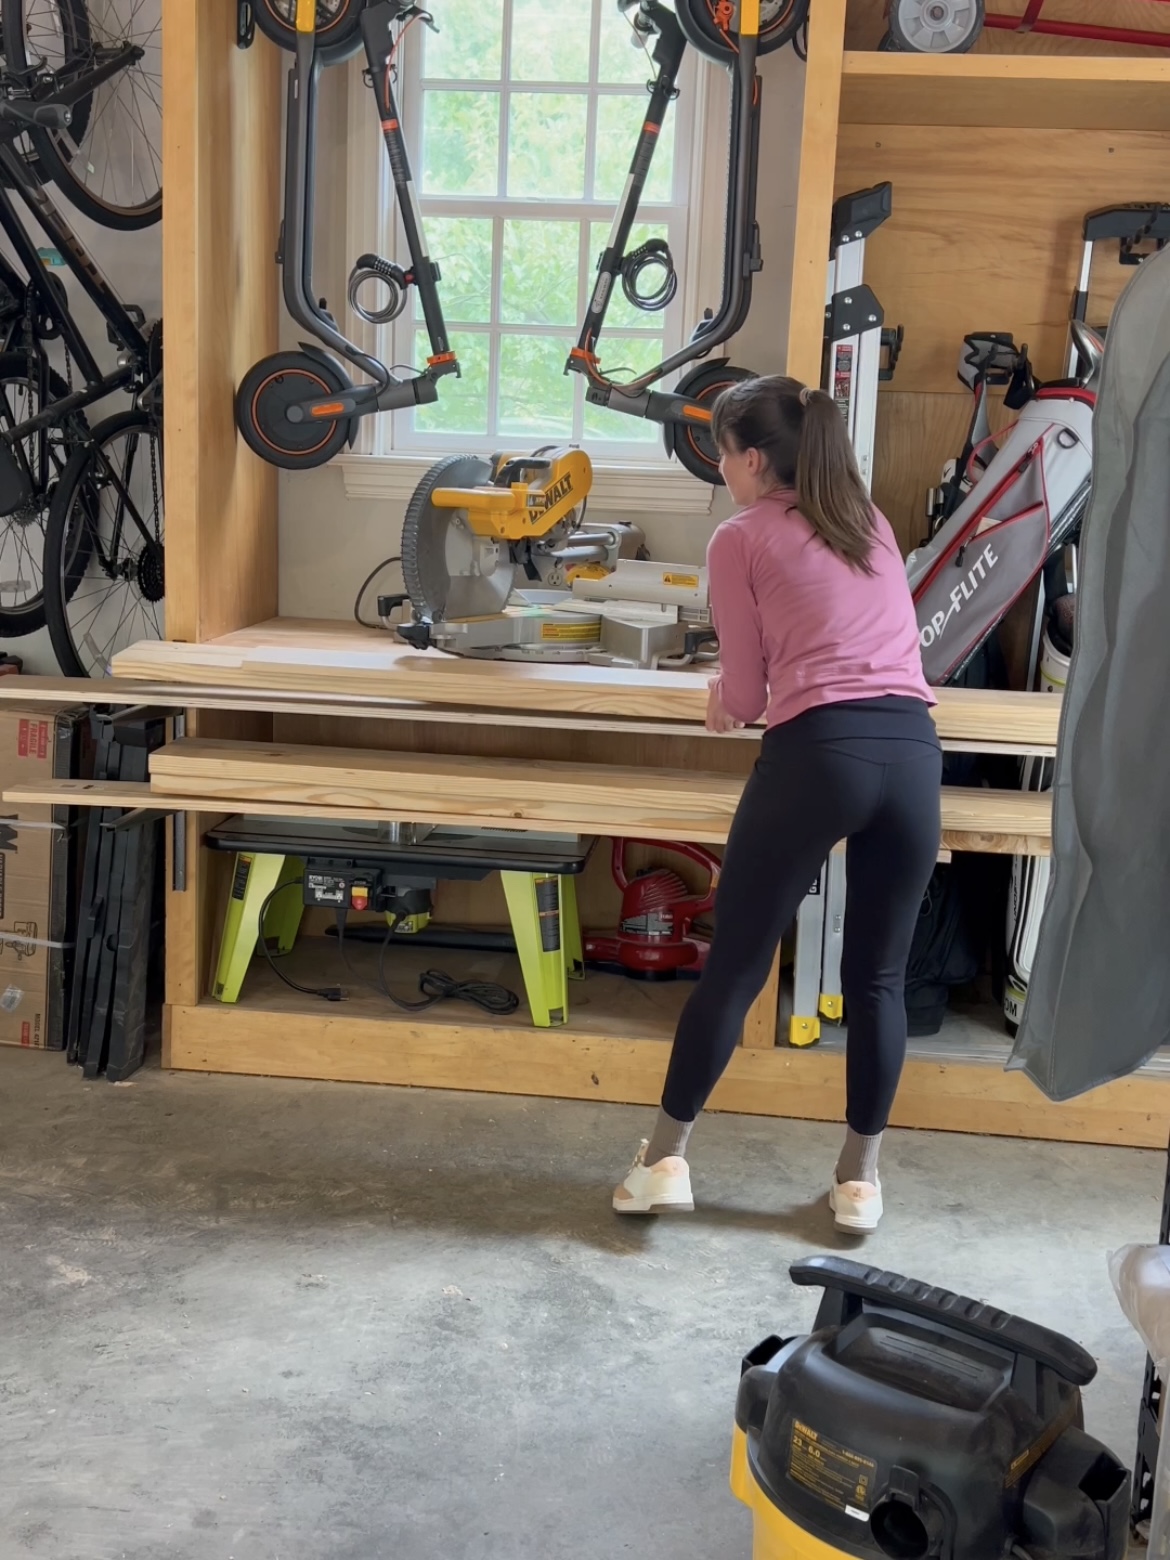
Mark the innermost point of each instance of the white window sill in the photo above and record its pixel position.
(619, 487)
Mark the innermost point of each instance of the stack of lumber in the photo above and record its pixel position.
(284, 781)
(339, 663)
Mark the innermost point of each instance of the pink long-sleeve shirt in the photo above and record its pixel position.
(797, 626)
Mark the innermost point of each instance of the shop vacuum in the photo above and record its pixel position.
(914, 1424)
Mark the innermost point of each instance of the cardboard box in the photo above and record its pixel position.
(38, 877)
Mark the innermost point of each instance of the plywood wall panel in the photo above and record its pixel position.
(986, 232)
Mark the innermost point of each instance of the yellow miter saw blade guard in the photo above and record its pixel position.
(471, 521)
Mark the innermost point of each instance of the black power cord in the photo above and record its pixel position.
(435, 985)
(438, 987)
(326, 993)
(365, 585)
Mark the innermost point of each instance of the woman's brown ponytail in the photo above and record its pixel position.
(829, 489)
(801, 434)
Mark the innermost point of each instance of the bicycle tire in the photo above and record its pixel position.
(72, 28)
(70, 554)
(17, 620)
(89, 162)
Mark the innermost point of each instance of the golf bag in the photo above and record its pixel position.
(1009, 506)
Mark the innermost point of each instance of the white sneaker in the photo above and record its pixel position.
(856, 1205)
(647, 1188)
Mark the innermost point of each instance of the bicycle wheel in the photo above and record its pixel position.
(63, 31)
(29, 473)
(109, 161)
(780, 21)
(104, 574)
(339, 34)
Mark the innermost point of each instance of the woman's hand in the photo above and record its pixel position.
(718, 718)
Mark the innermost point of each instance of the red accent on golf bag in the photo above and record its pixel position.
(1026, 504)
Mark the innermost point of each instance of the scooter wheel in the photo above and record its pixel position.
(266, 392)
(339, 32)
(780, 21)
(691, 442)
(934, 26)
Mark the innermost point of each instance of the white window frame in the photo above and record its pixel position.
(375, 469)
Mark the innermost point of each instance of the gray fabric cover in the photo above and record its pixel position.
(1099, 998)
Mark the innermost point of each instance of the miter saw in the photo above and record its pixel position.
(499, 561)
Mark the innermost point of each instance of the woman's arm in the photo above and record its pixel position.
(743, 680)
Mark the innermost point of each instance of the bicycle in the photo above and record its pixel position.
(103, 60)
(54, 468)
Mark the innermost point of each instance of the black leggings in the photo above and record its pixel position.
(868, 772)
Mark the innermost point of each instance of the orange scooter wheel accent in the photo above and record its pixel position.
(691, 439)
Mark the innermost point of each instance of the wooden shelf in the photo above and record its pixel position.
(1030, 92)
(614, 1048)
(307, 659)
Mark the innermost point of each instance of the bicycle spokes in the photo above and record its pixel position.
(113, 576)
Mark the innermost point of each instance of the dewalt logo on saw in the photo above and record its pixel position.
(540, 503)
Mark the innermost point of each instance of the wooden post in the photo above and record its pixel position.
(814, 199)
(221, 159)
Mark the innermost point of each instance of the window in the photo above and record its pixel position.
(522, 118)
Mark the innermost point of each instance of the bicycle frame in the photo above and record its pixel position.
(387, 392)
(1032, 21)
(741, 247)
(124, 329)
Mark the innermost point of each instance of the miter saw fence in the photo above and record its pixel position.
(499, 562)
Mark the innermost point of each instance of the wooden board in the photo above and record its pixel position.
(997, 822)
(505, 787)
(957, 255)
(601, 1056)
(706, 829)
(308, 657)
(1018, 92)
(497, 729)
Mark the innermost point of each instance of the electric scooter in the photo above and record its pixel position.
(734, 36)
(299, 409)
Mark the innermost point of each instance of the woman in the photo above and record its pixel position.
(817, 632)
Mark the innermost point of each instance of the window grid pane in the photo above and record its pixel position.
(561, 149)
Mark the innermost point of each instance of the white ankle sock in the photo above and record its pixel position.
(669, 1137)
(859, 1158)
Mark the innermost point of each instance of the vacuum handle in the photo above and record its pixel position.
(857, 1284)
(702, 858)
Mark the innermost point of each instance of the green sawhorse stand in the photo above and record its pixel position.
(254, 877)
(542, 907)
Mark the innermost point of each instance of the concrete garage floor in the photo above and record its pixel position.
(296, 1321)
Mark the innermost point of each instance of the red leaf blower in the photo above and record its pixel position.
(654, 939)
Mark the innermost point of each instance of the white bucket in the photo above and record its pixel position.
(1053, 667)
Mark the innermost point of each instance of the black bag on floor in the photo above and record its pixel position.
(943, 953)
